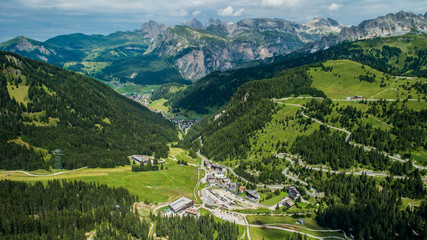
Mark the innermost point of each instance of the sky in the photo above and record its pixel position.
(43, 19)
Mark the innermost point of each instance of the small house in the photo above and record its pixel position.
(242, 189)
(293, 192)
(287, 202)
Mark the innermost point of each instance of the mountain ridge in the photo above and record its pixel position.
(196, 50)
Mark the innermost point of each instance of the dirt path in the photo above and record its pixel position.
(43, 175)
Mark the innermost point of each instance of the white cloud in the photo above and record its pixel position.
(229, 11)
(196, 13)
(277, 3)
(334, 7)
(181, 13)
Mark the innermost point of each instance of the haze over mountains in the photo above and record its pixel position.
(191, 50)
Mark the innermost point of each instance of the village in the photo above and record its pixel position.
(221, 196)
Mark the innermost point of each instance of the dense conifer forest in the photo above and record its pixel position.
(44, 108)
(187, 227)
(368, 207)
(71, 209)
(67, 210)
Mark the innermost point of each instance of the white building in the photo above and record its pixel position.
(181, 204)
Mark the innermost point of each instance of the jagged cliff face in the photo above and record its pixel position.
(151, 29)
(390, 25)
(199, 50)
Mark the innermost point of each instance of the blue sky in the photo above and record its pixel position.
(42, 19)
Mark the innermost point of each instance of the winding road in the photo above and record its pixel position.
(366, 148)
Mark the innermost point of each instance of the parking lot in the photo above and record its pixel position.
(228, 200)
(231, 217)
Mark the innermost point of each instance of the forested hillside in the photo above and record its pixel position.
(227, 134)
(403, 55)
(44, 108)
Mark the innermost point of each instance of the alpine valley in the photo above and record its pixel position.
(259, 129)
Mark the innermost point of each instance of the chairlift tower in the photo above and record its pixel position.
(58, 162)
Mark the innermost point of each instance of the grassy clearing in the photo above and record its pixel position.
(157, 186)
(159, 105)
(274, 200)
(19, 93)
(181, 154)
(267, 234)
(343, 81)
(420, 157)
(94, 67)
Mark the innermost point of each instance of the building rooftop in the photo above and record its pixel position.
(210, 176)
(179, 204)
(253, 193)
(192, 211)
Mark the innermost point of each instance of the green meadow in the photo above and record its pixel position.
(154, 186)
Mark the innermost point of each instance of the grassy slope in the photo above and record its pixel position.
(343, 82)
(159, 105)
(408, 44)
(310, 223)
(258, 233)
(158, 186)
(273, 132)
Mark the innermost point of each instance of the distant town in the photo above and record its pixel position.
(143, 98)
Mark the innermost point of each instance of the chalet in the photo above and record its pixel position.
(252, 195)
(287, 202)
(242, 189)
(301, 221)
(293, 192)
(181, 204)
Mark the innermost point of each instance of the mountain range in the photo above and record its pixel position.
(191, 50)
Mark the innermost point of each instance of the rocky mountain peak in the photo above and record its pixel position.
(323, 26)
(392, 24)
(193, 23)
(212, 22)
(152, 28)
